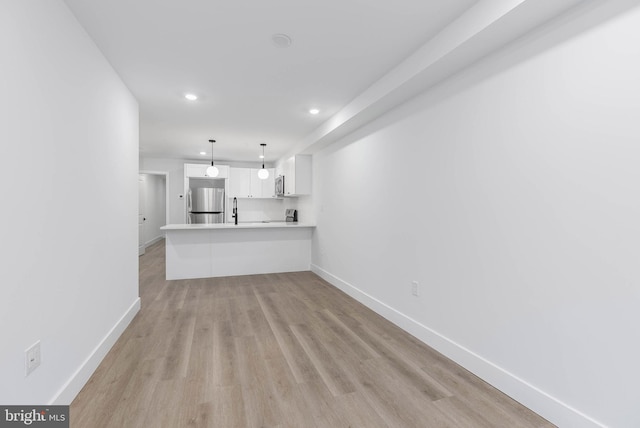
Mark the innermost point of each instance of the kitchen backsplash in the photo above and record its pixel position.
(254, 210)
(304, 205)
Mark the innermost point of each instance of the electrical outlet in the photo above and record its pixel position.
(32, 358)
(414, 288)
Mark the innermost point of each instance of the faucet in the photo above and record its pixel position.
(235, 210)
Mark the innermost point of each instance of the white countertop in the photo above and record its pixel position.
(259, 225)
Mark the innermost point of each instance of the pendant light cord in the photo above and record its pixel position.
(212, 141)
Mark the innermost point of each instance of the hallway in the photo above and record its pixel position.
(278, 350)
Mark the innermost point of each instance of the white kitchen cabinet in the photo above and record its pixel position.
(244, 183)
(269, 185)
(239, 183)
(288, 170)
(297, 175)
(199, 170)
(256, 183)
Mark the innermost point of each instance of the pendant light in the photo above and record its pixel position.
(212, 171)
(263, 174)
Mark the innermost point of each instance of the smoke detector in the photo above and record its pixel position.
(281, 40)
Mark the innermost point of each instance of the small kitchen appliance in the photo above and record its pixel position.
(291, 215)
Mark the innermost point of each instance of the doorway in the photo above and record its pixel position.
(153, 207)
(141, 213)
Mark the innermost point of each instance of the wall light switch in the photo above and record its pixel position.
(32, 358)
(414, 288)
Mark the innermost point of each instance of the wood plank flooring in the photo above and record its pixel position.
(277, 350)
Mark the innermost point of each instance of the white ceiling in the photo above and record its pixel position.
(251, 90)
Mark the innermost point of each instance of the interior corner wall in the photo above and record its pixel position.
(69, 179)
(511, 194)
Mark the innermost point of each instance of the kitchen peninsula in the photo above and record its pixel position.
(224, 249)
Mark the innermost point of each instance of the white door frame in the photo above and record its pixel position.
(166, 189)
(141, 214)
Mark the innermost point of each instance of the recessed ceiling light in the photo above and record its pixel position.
(261, 156)
(281, 40)
(203, 153)
(314, 111)
(191, 97)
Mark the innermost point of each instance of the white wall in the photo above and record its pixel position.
(155, 207)
(65, 110)
(175, 173)
(511, 193)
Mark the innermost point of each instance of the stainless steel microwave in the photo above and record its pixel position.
(280, 185)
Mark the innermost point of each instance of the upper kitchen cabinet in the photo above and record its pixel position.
(297, 175)
(199, 170)
(267, 186)
(244, 183)
(239, 183)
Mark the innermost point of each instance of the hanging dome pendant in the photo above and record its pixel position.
(263, 174)
(212, 171)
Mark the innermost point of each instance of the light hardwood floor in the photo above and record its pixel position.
(277, 350)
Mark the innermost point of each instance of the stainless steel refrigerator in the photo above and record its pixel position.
(205, 205)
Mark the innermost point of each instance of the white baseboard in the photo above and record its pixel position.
(153, 241)
(535, 399)
(77, 381)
